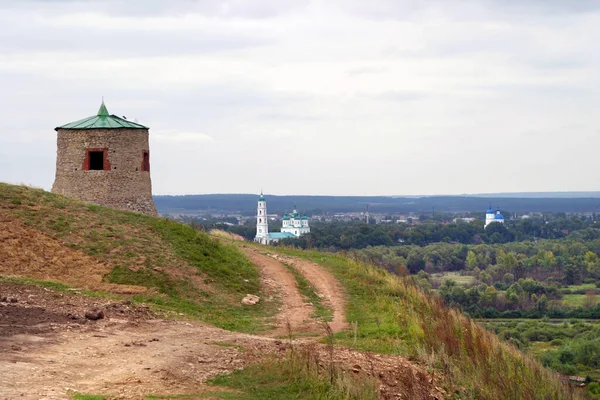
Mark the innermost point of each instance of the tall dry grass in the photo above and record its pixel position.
(395, 316)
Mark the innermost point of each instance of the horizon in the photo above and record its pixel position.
(508, 194)
(541, 195)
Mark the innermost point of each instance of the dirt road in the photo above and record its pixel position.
(48, 348)
(278, 280)
(328, 287)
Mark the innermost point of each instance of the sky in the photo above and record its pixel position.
(332, 97)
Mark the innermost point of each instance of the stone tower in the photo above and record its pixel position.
(262, 223)
(105, 160)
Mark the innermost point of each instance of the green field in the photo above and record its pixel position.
(574, 300)
(582, 287)
(462, 280)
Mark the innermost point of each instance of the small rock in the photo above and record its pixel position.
(13, 300)
(3, 299)
(250, 299)
(94, 314)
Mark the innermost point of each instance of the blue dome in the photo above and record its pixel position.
(499, 216)
(490, 211)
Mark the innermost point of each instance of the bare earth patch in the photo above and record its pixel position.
(27, 252)
(48, 348)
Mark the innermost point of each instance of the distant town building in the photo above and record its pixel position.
(466, 220)
(293, 225)
(492, 216)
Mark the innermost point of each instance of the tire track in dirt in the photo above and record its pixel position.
(279, 281)
(294, 306)
(326, 285)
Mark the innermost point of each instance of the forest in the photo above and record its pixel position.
(534, 281)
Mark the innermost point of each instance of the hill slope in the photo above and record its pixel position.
(390, 315)
(162, 262)
(173, 267)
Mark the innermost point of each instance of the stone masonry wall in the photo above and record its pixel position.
(125, 186)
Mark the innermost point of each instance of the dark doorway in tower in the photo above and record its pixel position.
(96, 160)
(146, 161)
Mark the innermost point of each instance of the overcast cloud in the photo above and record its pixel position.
(313, 97)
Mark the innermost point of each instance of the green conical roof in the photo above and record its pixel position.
(103, 112)
(102, 120)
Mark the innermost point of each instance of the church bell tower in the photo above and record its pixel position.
(262, 223)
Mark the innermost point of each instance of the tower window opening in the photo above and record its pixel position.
(96, 160)
(146, 161)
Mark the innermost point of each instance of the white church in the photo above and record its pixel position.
(293, 225)
(491, 216)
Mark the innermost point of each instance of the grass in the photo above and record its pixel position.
(299, 374)
(81, 396)
(228, 345)
(55, 286)
(186, 271)
(574, 300)
(461, 280)
(307, 290)
(395, 317)
(582, 287)
(296, 376)
(211, 395)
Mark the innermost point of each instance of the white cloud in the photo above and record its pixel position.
(182, 137)
(336, 97)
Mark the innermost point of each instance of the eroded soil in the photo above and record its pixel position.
(25, 251)
(48, 348)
